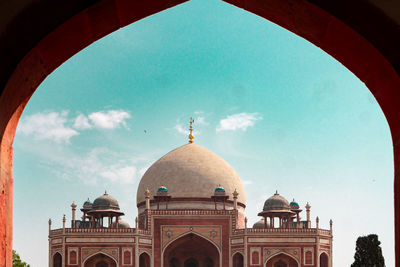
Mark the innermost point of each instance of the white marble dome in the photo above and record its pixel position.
(191, 171)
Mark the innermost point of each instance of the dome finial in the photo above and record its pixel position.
(191, 137)
(276, 192)
(105, 192)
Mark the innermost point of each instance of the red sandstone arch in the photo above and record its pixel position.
(323, 260)
(191, 250)
(100, 260)
(57, 260)
(301, 17)
(144, 260)
(282, 260)
(238, 260)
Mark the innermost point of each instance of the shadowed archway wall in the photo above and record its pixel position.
(38, 36)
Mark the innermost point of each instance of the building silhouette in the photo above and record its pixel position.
(191, 213)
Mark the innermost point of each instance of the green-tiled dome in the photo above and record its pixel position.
(162, 189)
(294, 205)
(219, 189)
(87, 204)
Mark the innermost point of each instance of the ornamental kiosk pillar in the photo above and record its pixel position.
(63, 221)
(73, 207)
(235, 197)
(308, 215)
(147, 197)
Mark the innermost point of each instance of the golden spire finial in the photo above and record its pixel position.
(191, 137)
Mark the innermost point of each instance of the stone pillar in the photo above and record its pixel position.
(73, 207)
(330, 226)
(63, 221)
(317, 222)
(235, 197)
(136, 223)
(308, 207)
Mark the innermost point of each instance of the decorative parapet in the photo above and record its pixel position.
(312, 231)
(192, 212)
(99, 230)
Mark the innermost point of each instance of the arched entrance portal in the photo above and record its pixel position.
(57, 259)
(323, 260)
(238, 260)
(100, 260)
(144, 260)
(282, 260)
(191, 251)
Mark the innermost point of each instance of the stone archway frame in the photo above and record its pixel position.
(52, 257)
(188, 233)
(55, 252)
(327, 254)
(238, 252)
(97, 253)
(145, 251)
(278, 253)
(303, 18)
(324, 252)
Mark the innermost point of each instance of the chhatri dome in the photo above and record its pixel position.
(191, 174)
(276, 203)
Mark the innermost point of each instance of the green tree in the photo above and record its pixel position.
(16, 260)
(368, 252)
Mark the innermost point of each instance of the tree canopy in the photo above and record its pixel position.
(368, 252)
(16, 260)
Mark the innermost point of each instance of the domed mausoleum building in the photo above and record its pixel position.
(191, 213)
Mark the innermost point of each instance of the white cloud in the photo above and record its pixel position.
(180, 129)
(247, 182)
(124, 175)
(201, 121)
(240, 121)
(110, 119)
(99, 165)
(50, 126)
(82, 122)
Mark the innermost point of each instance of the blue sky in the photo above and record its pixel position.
(282, 112)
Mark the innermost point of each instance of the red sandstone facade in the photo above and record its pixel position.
(214, 231)
(178, 226)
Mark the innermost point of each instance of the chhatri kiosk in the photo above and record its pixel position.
(191, 213)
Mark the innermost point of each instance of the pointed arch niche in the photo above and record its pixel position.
(144, 260)
(323, 260)
(57, 260)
